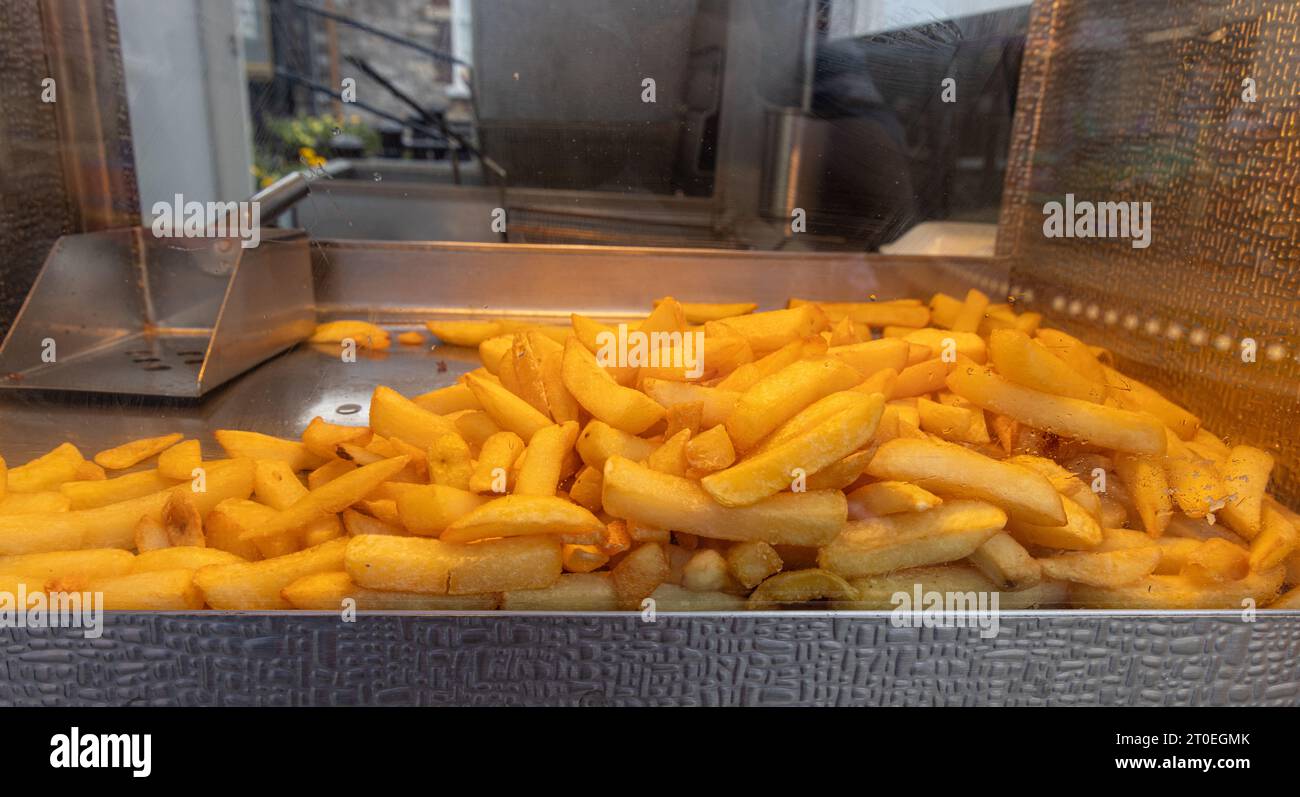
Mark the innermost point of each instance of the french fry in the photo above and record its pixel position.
(883, 591)
(329, 472)
(1134, 395)
(571, 592)
(254, 586)
(1245, 477)
(1197, 489)
(1080, 532)
(363, 333)
(600, 394)
(583, 558)
(394, 415)
(1065, 482)
(716, 403)
(586, 488)
(949, 346)
(889, 498)
(449, 461)
(1276, 541)
(154, 590)
(1100, 425)
(82, 565)
(698, 313)
(771, 330)
(540, 473)
(276, 485)
(638, 574)
(257, 446)
(1075, 354)
(506, 409)
(498, 454)
(800, 586)
(506, 564)
(322, 438)
(1215, 561)
(689, 416)
(186, 557)
(949, 469)
(779, 397)
(466, 333)
(1007, 563)
(956, 424)
(429, 510)
(133, 453)
(1179, 592)
(525, 515)
(924, 377)
(599, 441)
(1147, 483)
(182, 521)
(673, 598)
(771, 471)
(751, 562)
(638, 493)
(946, 533)
(710, 450)
(1027, 362)
(416, 564)
(744, 376)
(972, 312)
(357, 523)
(671, 456)
(23, 503)
(329, 499)
(706, 571)
(563, 406)
(446, 400)
(179, 461)
(333, 591)
(904, 313)
(113, 525)
(1102, 569)
(46, 472)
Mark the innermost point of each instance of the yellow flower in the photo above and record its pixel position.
(266, 181)
(310, 158)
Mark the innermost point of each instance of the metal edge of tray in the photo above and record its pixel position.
(768, 659)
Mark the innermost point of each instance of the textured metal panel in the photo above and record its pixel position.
(1144, 102)
(678, 660)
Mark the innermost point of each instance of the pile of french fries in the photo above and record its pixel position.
(829, 454)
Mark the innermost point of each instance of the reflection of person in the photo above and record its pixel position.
(866, 180)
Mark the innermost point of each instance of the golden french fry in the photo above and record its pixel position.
(1027, 362)
(800, 586)
(521, 515)
(23, 503)
(322, 438)
(876, 314)
(946, 533)
(956, 424)
(949, 469)
(638, 493)
(1277, 539)
(540, 473)
(46, 472)
(429, 510)
(182, 521)
(363, 333)
(1007, 563)
(600, 394)
(1103, 569)
(872, 357)
(891, 591)
(330, 498)
(1147, 483)
(949, 346)
(889, 498)
(1180, 592)
(751, 562)
(1065, 482)
(716, 403)
(149, 534)
(698, 313)
(113, 525)
(155, 590)
(255, 445)
(671, 456)
(706, 571)
(710, 450)
(670, 597)
(1100, 425)
(779, 397)
(1245, 477)
(449, 461)
(329, 472)
(76, 566)
(90, 494)
(746, 374)
(416, 564)
(334, 591)
(1217, 560)
(276, 485)
(136, 451)
(498, 454)
(571, 592)
(971, 313)
(1196, 487)
(186, 557)
(257, 585)
(1081, 530)
(1133, 395)
(587, 487)
(394, 415)
(446, 400)
(773, 470)
(179, 461)
(771, 330)
(599, 441)
(583, 558)
(465, 333)
(357, 523)
(506, 409)
(638, 574)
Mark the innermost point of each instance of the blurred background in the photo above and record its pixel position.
(447, 109)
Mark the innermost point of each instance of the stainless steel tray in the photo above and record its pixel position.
(764, 658)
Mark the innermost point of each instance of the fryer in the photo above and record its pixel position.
(1122, 100)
